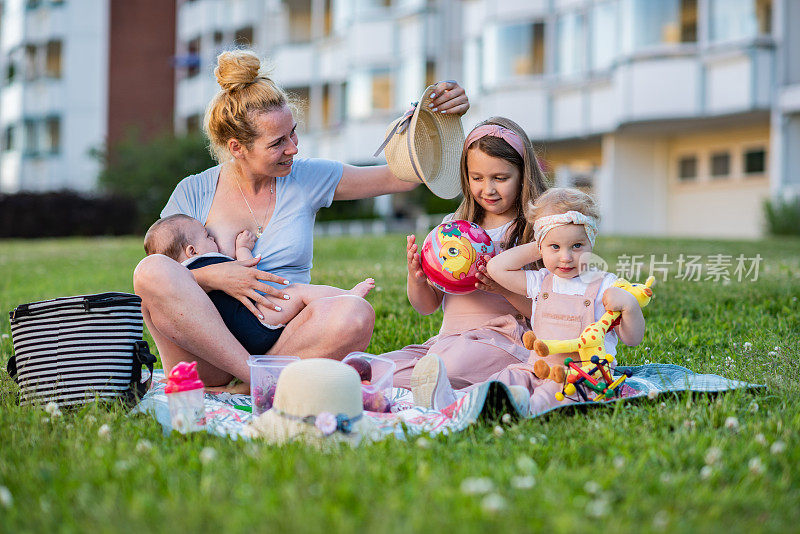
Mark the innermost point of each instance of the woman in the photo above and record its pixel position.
(259, 187)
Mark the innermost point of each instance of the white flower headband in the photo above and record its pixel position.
(542, 225)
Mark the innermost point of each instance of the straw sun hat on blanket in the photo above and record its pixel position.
(317, 401)
(425, 146)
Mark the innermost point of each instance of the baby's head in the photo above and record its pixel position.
(180, 237)
(565, 226)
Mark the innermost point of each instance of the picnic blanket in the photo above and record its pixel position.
(227, 415)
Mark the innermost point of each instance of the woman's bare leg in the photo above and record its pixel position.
(329, 327)
(185, 324)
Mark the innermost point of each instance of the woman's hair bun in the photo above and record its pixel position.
(237, 69)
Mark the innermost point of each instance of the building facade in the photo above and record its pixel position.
(78, 76)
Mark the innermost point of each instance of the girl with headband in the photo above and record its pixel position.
(481, 332)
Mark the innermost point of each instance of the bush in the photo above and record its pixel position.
(783, 216)
(147, 172)
(65, 213)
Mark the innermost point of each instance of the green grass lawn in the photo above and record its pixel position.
(682, 463)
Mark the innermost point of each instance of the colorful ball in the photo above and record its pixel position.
(452, 253)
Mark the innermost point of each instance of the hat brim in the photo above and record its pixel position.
(429, 150)
(279, 430)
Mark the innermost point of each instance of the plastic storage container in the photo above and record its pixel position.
(264, 372)
(377, 391)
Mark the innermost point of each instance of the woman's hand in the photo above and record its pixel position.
(450, 98)
(242, 281)
(415, 272)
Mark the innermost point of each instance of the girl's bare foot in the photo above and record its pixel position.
(362, 289)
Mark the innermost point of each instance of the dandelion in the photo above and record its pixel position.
(747, 346)
(522, 482)
(652, 394)
(498, 431)
(755, 466)
(591, 487)
(6, 499)
(52, 409)
(143, 446)
(713, 454)
(476, 485)
(619, 462)
(731, 423)
(423, 443)
(506, 419)
(777, 447)
(705, 472)
(104, 431)
(207, 455)
(760, 439)
(597, 508)
(493, 503)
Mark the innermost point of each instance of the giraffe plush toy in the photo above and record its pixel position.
(590, 346)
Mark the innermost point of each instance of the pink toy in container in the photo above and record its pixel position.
(376, 376)
(184, 391)
(264, 373)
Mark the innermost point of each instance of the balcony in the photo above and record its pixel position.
(295, 64)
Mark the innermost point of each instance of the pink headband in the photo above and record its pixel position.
(496, 131)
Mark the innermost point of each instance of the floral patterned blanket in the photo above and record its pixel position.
(228, 415)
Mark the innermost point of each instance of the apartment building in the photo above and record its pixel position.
(75, 76)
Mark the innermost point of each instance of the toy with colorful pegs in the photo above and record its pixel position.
(592, 368)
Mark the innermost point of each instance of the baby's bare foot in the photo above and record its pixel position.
(362, 289)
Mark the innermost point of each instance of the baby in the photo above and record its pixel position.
(186, 240)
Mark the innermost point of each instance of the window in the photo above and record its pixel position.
(604, 35)
(740, 19)
(31, 138)
(218, 38)
(687, 168)
(720, 164)
(193, 57)
(31, 62)
(514, 51)
(571, 44)
(193, 123)
(651, 23)
(300, 21)
(430, 73)
(755, 161)
(382, 89)
(53, 59)
(8, 139)
(244, 36)
(52, 135)
(11, 72)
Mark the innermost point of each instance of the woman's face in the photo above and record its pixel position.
(273, 150)
(493, 182)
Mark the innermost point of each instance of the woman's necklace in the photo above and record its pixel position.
(259, 227)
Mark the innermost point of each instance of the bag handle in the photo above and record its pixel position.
(11, 367)
(141, 356)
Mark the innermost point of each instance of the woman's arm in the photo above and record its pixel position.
(242, 281)
(367, 182)
(423, 297)
(506, 267)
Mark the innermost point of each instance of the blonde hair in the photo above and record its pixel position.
(561, 200)
(167, 236)
(532, 179)
(245, 91)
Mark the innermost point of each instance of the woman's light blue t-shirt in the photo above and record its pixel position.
(287, 244)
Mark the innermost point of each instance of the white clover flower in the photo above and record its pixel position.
(777, 447)
(753, 407)
(506, 419)
(53, 409)
(498, 431)
(689, 423)
(526, 464)
(777, 349)
(747, 346)
(143, 446)
(207, 455)
(652, 394)
(760, 439)
(772, 354)
(90, 419)
(423, 443)
(755, 465)
(591, 487)
(493, 503)
(619, 462)
(45, 420)
(731, 423)
(6, 499)
(4, 336)
(713, 454)
(104, 431)
(665, 478)
(522, 482)
(597, 507)
(660, 520)
(705, 472)
(476, 485)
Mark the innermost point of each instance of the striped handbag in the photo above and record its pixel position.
(75, 350)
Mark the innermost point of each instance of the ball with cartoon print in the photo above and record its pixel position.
(452, 253)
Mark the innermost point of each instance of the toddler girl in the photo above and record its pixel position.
(566, 296)
(481, 331)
